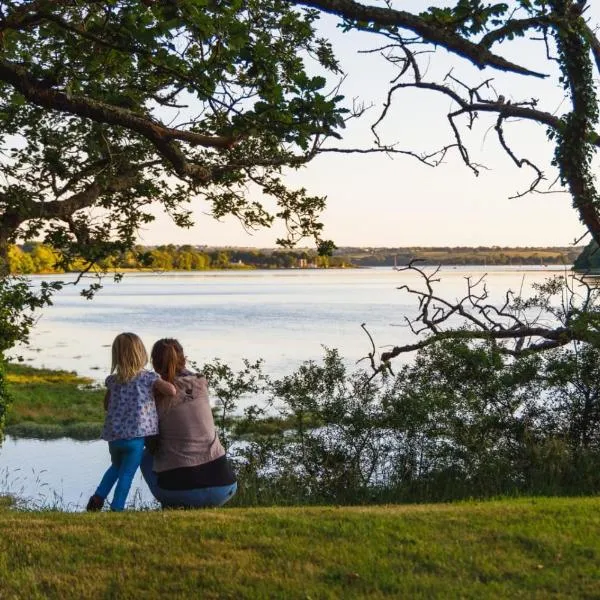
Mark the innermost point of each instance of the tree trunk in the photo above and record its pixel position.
(4, 263)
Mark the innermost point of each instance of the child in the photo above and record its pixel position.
(130, 416)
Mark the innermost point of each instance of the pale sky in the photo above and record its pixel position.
(377, 201)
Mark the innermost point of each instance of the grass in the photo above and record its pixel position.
(48, 404)
(6, 501)
(528, 548)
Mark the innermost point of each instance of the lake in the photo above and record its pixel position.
(282, 316)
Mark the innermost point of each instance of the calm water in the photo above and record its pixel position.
(285, 317)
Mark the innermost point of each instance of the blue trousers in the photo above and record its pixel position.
(125, 456)
(195, 498)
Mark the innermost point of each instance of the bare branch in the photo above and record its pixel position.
(432, 159)
(474, 318)
(517, 161)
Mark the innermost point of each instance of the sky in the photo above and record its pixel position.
(373, 200)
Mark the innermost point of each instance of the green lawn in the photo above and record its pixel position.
(528, 548)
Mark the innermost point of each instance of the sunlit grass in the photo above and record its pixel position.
(6, 501)
(48, 403)
(529, 548)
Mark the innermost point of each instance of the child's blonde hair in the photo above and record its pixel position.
(129, 356)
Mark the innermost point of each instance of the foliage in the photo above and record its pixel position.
(18, 303)
(107, 108)
(571, 382)
(589, 259)
(107, 81)
(462, 420)
(228, 388)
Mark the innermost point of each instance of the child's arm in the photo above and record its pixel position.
(164, 387)
(106, 400)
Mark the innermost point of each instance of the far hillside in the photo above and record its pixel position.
(461, 255)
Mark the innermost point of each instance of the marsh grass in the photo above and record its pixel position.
(527, 548)
(14, 482)
(48, 404)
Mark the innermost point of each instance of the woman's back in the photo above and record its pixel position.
(187, 431)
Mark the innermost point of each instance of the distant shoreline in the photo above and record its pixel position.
(481, 266)
(37, 259)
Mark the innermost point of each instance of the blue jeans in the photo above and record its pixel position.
(125, 456)
(195, 498)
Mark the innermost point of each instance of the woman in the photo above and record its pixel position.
(189, 469)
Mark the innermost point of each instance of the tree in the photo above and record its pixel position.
(483, 34)
(472, 30)
(107, 107)
(589, 259)
(113, 105)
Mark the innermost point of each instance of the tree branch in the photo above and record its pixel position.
(513, 321)
(595, 45)
(518, 26)
(28, 209)
(161, 137)
(477, 54)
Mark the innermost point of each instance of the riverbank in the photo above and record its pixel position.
(50, 404)
(527, 548)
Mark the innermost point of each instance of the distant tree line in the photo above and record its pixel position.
(39, 258)
(35, 257)
(482, 255)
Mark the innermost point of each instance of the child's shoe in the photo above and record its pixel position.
(95, 503)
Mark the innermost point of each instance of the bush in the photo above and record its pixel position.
(460, 421)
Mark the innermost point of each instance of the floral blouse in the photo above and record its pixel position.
(131, 409)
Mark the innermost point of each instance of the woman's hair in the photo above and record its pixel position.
(128, 356)
(167, 358)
